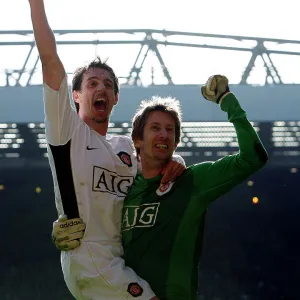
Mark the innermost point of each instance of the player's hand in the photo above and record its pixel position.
(174, 168)
(66, 234)
(215, 89)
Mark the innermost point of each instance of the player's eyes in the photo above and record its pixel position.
(108, 84)
(92, 83)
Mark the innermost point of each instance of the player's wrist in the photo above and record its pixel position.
(222, 96)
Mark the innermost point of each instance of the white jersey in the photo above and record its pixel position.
(95, 172)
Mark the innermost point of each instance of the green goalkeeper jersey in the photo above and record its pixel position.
(162, 235)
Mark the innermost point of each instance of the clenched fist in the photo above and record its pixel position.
(66, 234)
(215, 89)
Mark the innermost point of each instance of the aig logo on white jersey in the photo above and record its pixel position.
(106, 181)
(139, 216)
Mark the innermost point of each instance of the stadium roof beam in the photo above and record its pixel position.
(272, 72)
(149, 40)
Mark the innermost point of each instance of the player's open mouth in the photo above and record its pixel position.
(100, 104)
(161, 146)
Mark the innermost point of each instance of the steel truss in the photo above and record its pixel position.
(149, 40)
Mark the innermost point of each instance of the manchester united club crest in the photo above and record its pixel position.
(164, 188)
(134, 289)
(125, 158)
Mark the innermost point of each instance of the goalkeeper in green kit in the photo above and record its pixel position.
(163, 225)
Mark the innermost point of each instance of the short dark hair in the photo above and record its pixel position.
(169, 105)
(96, 63)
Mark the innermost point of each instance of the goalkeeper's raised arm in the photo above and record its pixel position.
(220, 176)
(53, 70)
(251, 149)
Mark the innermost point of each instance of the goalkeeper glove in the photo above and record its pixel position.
(66, 234)
(215, 89)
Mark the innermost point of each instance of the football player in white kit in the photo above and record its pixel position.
(91, 170)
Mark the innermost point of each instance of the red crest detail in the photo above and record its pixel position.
(164, 187)
(125, 158)
(134, 289)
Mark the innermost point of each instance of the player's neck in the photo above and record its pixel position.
(101, 128)
(151, 169)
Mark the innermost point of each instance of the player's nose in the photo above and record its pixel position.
(163, 133)
(100, 86)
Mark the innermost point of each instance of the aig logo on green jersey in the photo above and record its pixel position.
(139, 216)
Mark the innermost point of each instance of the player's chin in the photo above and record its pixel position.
(100, 120)
(163, 156)
(99, 114)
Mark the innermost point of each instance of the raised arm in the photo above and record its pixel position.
(60, 119)
(216, 178)
(53, 70)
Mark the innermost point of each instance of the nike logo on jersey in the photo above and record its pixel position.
(88, 148)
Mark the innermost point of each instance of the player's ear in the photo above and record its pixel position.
(116, 99)
(75, 95)
(137, 143)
